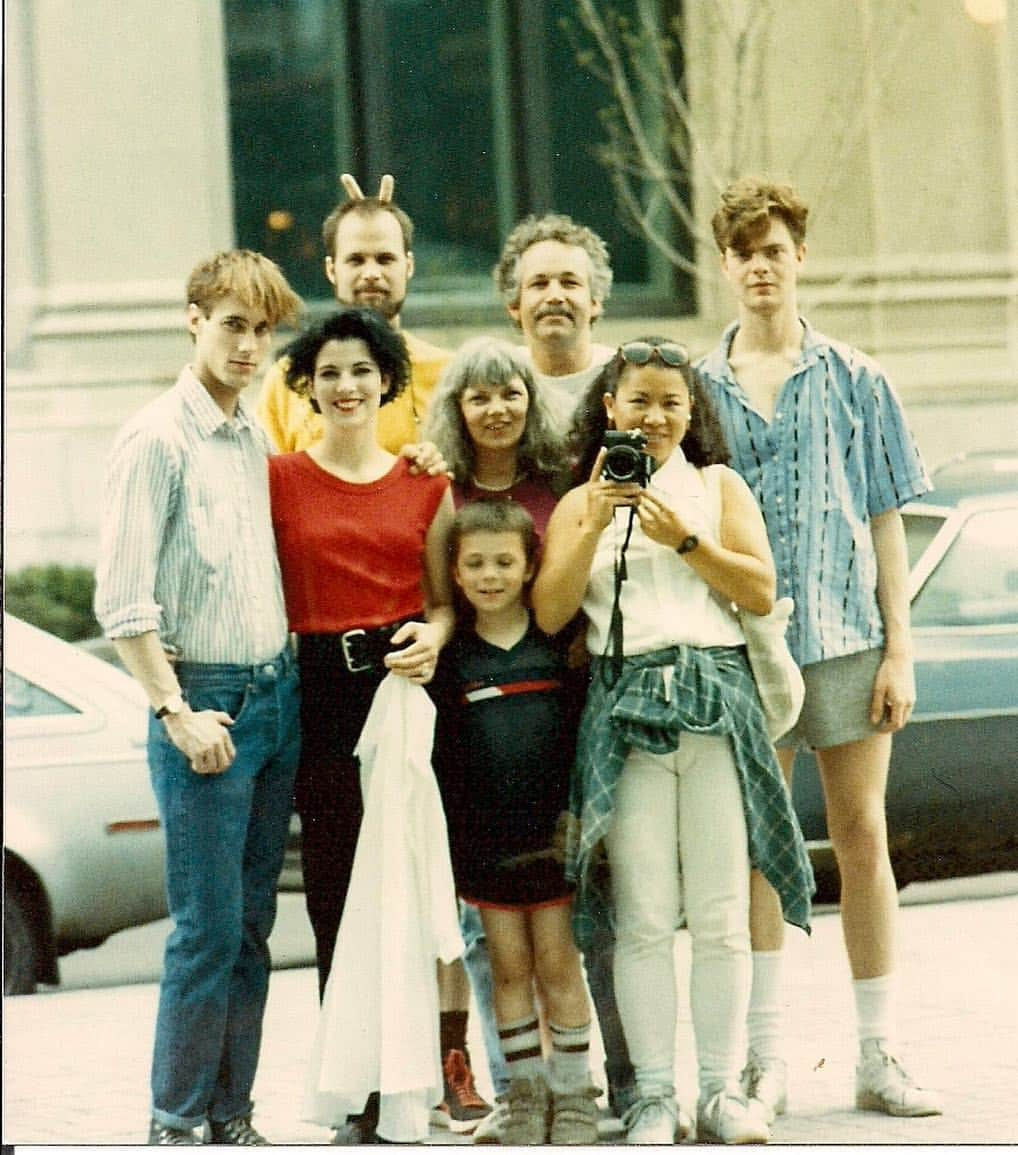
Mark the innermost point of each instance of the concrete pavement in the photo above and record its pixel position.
(76, 1062)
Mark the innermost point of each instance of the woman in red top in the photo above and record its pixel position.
(361, 546)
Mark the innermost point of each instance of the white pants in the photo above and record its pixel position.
(678, 843)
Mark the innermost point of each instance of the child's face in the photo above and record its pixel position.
(491, 570)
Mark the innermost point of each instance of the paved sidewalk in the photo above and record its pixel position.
(76, 1062)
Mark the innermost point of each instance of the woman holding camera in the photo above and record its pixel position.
(675, 771)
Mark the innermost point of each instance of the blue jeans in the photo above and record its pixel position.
(599, 962)
(225, 839)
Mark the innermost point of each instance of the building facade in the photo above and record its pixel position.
(143, 136)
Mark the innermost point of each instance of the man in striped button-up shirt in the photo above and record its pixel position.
(188, 587)
(818, 433)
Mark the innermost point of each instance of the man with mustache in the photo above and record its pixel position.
(554, 276)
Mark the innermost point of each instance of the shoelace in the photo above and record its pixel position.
(172, 1137)
(240, 1133)
(461, 1080)
(642, 1106)
(891, 1065)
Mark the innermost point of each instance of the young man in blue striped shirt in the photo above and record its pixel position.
(818, 433)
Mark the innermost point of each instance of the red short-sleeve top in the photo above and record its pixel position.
(351, 555)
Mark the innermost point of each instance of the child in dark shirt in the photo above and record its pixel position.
(503, 749)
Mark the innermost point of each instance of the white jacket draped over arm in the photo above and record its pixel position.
(378, 1028)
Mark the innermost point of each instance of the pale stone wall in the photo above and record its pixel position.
(897, 123)
(118, 180)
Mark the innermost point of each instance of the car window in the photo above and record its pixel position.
(976, 582)
(25, 699)
(920, 530)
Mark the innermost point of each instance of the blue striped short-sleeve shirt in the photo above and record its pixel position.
(837, 452)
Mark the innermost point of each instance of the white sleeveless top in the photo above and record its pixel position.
(664, 602)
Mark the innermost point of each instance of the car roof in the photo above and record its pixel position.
(27, 646)
(984, 474)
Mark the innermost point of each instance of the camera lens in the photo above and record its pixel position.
(623, 463)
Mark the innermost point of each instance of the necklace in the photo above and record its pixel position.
(495, 488)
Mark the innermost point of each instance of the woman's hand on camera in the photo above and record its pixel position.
(604, 497)
(659, 521)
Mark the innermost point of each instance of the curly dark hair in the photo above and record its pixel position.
(703, 444)
(385, 344)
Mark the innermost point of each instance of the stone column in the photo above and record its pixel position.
(120, 181)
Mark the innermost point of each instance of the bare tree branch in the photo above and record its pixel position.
(658, 140)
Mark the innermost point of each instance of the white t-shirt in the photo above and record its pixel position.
(563, 393)
(664, 601)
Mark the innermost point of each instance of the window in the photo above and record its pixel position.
(976, 583)
(920, 530)
(480, 111)
(25, 699)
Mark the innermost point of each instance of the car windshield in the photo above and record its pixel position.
(976, 583)
(920, 530)
(24, 699)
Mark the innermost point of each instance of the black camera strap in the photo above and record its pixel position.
(614, 649)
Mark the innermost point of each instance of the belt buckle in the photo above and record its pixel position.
(353, 666)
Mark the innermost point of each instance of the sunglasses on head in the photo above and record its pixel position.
(641, 352)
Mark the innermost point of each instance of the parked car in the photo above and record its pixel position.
(952, 797)
(83, 852)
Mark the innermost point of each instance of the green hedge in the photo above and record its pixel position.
(55, 598)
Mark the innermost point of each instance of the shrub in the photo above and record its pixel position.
(55, 598)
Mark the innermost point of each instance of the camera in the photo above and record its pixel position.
(626, 459)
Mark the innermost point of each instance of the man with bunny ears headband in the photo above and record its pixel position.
(369, 261)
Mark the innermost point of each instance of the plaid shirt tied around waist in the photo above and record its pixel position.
(712, 692)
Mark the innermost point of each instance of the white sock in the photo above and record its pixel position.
(521, 1047)
(874, 1009)
(569, 1069)
(766, 1011)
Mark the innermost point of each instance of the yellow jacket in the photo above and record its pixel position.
(293, 425)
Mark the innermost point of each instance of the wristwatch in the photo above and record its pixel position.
(687, 546)
(173, 705)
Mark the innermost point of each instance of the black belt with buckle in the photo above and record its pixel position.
(363, 650)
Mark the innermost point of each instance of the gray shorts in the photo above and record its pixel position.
(837, 705)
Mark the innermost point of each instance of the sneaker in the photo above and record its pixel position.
(462, 1108)
(162, 1135)
(234, 1133)
(655, 1120)
(574, 1118)
(731, 1119)
(621, 1097)
(883, 1084)
(492, 1127)
(353, 1133)
(766, 1081)
(359, 1129)
(529, 1104)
